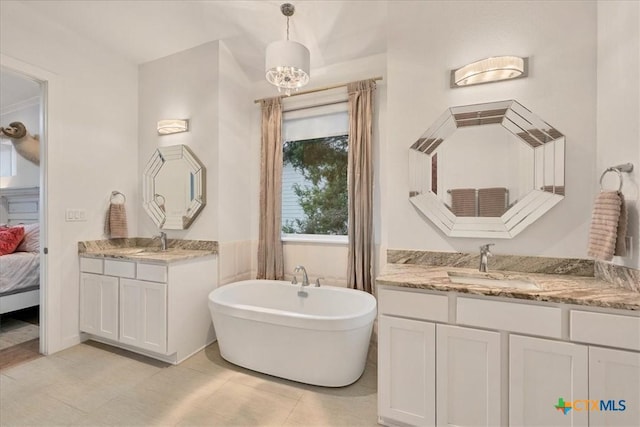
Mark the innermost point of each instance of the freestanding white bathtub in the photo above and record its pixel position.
(319, 339)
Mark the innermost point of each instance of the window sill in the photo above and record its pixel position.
(315, 238)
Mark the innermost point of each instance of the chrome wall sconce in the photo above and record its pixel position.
(490, 70)
(169, 126)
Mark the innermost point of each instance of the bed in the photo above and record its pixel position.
(20, 267)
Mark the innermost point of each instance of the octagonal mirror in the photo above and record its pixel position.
(487, 170)
(174, 187)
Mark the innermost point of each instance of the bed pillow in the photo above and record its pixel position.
(31, 240)
(10, 239)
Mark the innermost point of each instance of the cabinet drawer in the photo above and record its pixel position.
(152, 272)
(522, 318)
(413, 304)
(91, 265)
(605, 329)
(120, 268)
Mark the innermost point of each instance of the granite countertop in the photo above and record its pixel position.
(148, 250)
(558, 288)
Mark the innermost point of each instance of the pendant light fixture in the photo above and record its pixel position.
(287, 62)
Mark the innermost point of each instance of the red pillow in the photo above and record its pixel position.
(10, 238)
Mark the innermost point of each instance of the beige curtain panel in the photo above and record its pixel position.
(270, 258)
(360, 179)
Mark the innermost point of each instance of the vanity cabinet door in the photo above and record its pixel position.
(541, 372)
(614, 376)
(143, 314)
(99, 305)
(468, 377)
(406, 363)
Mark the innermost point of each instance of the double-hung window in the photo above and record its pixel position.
(314, 175)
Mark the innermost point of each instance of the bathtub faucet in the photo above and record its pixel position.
(305, 278)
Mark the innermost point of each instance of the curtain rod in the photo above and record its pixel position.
(320, 89)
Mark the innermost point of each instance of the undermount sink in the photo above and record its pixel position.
(138, 251)
(500, 280)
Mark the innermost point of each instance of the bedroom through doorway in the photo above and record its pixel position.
(22, 119)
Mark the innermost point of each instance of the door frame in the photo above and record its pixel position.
(47, 82)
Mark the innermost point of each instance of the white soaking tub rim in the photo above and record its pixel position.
(364, 314)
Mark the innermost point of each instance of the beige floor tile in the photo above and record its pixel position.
(36, 409)
(360, 403)
(83, 395)
(269, 384)
(95, 385)
(125, 411)
(249, 405)
(177, 386)
(313, 415)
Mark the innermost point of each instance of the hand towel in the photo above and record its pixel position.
(621, 244)
(115, 225)
(463, 201)
(492, 202)
(605, 220)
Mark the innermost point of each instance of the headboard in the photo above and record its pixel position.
(19, 205)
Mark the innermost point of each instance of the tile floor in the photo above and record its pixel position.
(96, 385)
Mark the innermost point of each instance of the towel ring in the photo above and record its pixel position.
(627, 168)
(611, 170)
(115, 194)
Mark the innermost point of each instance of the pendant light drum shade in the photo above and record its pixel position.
(287, 65)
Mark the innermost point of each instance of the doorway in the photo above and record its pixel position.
(23, 273)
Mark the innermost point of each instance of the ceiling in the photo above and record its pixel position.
(15, 89)
(144, 30)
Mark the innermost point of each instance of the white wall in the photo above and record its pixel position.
(619, 107)
(27, 173)
(182, 86)
(428, 39)
(234, 170)
(92, 132)
(206, 85)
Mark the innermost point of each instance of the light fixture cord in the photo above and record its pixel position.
(287, 28)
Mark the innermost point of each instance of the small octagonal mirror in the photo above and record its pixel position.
(174, 187)
(487, 170)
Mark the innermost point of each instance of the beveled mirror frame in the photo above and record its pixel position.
(152, 200)
(548, 146)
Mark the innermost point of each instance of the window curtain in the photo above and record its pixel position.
(360, 182)
(270, 258)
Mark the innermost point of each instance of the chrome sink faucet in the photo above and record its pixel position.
(163, 240)
(305, 278)
(485, 253)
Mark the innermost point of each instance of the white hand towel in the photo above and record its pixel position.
(604, 225)
(115, 225)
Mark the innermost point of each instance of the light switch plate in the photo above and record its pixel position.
(75, 215)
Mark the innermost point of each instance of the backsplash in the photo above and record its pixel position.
(524, 264)
(146, 242)
(623, 277)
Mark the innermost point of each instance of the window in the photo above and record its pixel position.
(7, 159)
(314, 173)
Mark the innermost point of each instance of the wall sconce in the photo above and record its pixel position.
(490, 70)
(167, 127)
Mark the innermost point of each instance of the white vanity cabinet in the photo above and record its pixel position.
(448, 359)
(407, 364)
(99, 305)
(143, 314)
(160, 310)
(541, 371)
(468, 376)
